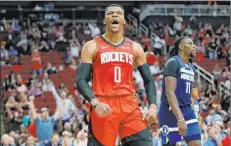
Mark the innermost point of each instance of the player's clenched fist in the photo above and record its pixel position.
(102, 109)
(151, 116)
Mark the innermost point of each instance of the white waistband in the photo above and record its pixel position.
(173, 129)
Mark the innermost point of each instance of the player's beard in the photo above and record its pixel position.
(191, 57)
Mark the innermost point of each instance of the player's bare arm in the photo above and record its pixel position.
(170, 84)
(84, 75)
(149, 84)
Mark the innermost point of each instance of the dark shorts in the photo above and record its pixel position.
(169, 128)
(143, 138)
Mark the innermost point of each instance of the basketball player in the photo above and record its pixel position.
(177, 119)
(114, 106)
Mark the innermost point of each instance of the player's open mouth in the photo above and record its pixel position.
(115, 22)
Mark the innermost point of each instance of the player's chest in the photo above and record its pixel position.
(186, 75)
(122, 54)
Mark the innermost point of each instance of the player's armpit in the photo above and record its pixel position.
(83, 76)
(88, 51)
(149, 84)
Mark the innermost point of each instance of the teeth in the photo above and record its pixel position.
(115, 22)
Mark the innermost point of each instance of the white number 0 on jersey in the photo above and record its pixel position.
(117, 74)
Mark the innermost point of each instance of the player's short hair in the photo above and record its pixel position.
(114, 5)
(175, 49)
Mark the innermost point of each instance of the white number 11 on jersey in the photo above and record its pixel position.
(188, 87)
(117, 74)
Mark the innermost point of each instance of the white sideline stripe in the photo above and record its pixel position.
(173, 129)
(187, 71)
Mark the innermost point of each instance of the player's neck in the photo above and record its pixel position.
(114, 38)
(184, 58)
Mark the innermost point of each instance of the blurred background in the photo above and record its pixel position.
(40, 48)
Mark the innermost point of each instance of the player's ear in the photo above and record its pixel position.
(180, 47)
(104, 21)
(125, 22)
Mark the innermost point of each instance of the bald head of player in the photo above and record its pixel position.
(114, 19)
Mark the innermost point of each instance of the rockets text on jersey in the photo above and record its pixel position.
(113, 68)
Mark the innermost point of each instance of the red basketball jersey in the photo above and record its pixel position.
(113, 68)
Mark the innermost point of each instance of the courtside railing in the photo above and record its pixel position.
(184, 10)
(223, 87)
(133, 24)
(143, 30)
(202, 73)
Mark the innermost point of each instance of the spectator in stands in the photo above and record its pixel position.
(51, 69)
(177, 26)
(44, 47)
(227, 58)
(44, 123)
(156, 138)
(75, 48)
(159, 44)
(212, 138)
(15, 121)
(155, 69)
(36, 62)
(67, 57)
(219, 129)
(187, 31)
(226, 72)
(12, 51)
(8, 82)
(31, 80)
(4, 54)
(28, 49)
(213, 117)
(23, 102)
(146, 42)
(35, 89)
(81, 138)
(45, 82)
(55, 140)
(5, 140)
(73, 65)
(226, 140)
(11, 106)
(95, 31)
(22, 131)
(20, 87)
(61, 43)
(86, 30)
(213, 49)
(62, 101)
(11, 141)
(227, 82)
(225, 101)
(61, 86)
(30, 141)
(67, 127)
(216, 73)
(210, 91)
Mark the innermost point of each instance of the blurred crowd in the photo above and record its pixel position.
(67, 126)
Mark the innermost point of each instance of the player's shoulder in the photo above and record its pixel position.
(137, 46)
(90, 45)
(129, 40)
(171, 62)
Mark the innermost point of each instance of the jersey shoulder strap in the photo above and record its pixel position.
(177, 58)
(179, 62)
